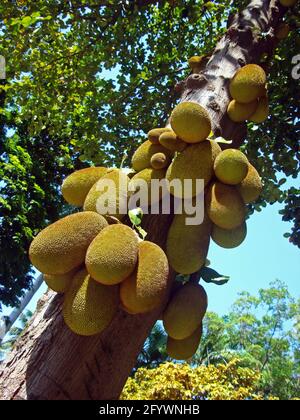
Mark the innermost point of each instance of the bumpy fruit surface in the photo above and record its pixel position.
(160, 161)
(262, 111)
(238, 112)
(248, 83)
(251, 187)
(231, 166)
(229, 238)
(184, 349)
(172, 142)
(153, 135)
(60, 282)
(148, 175)
(141, 159)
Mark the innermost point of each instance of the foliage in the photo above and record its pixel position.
(79, 92)
(172, 381)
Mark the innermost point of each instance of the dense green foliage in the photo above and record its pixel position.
(84, 84)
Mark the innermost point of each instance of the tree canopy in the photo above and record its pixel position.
(86, 81)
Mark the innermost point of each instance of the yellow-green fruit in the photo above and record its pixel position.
(191, 122)
(251, 187)
(229, 238)
(238, 112)
(153, 135)
(60, 282)
(195, 61)
(248, 83)
(196, 162)
(146, 288)
(172, 142)
(231, 166)
(282, 31)
(262, 111)
(185, 311)
(288, 3)
(142, 156)
(160, 161)
(113, 254)
(89, 307)
(187, 245)
(186, 348)
(225, 206)
(147, 175)
(62, 246)
(108, 196)
(77, 185)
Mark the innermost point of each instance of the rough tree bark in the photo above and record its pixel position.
(49, 361)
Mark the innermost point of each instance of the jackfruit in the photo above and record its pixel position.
(282, 31)
(113, 254)
(195, 61)
(77, 185)
(160, 161)
(288, 3)
(229, 238)
(148, 175)
(186, 348)
(196, 162)
(185, 311)
(145, 289)
(172, 142)
(262, 111)
(248, 83)
(187, 245)
(106, 200)
(251, 187)
(225, 206)
(142, 156)
(62, 246)
(191, 122)
(153, 135)
(89, 307)
(60, 282)
(238, 112)
(231, 166)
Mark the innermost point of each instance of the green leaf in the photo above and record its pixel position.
(142, 232)
(26, 21)
(211, 276)
(136, 216)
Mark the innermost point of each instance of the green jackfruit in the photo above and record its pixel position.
(187, 245)
(185, 311)
(231, 166)
(251, 187)
(172, 142)
(89, 307)
(248, 83)
(191, 122)
(145, 289)
(153, 135)
(225, 206)
(160, 161)
(196, 162)
(60, 282)
(142, 156)
(238, 112)
(184, 349)
(109, 201)
(77, 185)
(113, 254)
(229, 238)
(147, 175)
(62, 246)
(262, 111)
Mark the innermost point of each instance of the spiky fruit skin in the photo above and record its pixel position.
(238, 112)
(62, 246)
(113, 254)
(115, 198)
(251, 187)
(248, 83)
(185, 311)
(89, 307)
(147, 175)
(282, 31)
(262, 111)
(231, 166)
(172, 142)
(195, 162)
(229, 238)
(142, 156)
(160, 161)
(288, 3)
(153, 135)
(77, 185)
(61, 282)
(187, 245)
(225, 206)
(191, 122)
(144, 291)
(184, 349)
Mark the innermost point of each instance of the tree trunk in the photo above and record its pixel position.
(49, 361)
